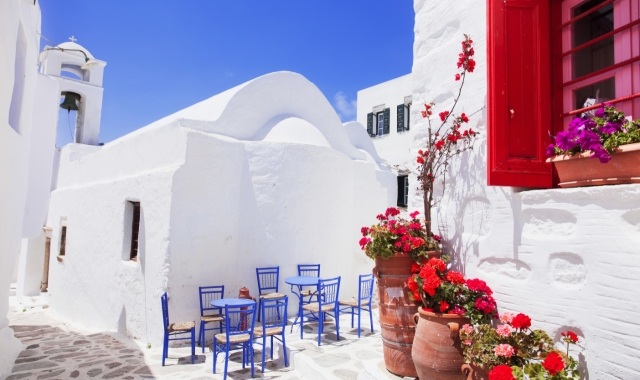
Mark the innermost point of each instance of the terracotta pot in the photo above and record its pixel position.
(436, 350)
(473, 372)
(396, 311)
(580, 170)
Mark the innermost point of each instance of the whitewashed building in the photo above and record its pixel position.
(566, 257)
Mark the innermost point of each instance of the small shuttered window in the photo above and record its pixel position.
(378, 121)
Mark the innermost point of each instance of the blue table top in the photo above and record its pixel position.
(302, 280)
(232, 302)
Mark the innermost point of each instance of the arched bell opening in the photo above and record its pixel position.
(69, 130)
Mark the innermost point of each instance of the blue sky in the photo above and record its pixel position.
(165, 55)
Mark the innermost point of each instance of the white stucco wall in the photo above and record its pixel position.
(222, 191)
(566, 257)
(19, 41)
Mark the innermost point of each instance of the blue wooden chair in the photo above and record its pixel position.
(326, 304)
(362, 303)
(176, 331)
(268, 278)
(273, 324)
(239, 323)
(209, 314)
(312, 270)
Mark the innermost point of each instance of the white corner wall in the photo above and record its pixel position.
(566, 257)
(19, 22)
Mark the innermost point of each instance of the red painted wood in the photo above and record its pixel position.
(519, 92)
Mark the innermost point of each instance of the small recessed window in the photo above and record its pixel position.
(63, 240)
(378, 121)
(135, 230)
(403, 190)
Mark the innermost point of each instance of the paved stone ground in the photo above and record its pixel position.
(55, 350)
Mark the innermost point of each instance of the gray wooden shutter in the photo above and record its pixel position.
(387, 120)
(370, 123)
(400, 114)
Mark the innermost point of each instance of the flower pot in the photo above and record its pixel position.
(436, 351)
(396, 311)
(473, 372)
(580, 170)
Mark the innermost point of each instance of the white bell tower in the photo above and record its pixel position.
(79, 77)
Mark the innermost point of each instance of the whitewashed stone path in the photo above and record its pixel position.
(55, 350)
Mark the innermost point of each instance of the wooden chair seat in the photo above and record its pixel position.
(272, 296)
(258, 332)
(315, 307)
(233, 339)
(353, 302)
(212, 318)
(181, 326)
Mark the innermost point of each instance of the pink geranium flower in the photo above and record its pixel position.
(504, 350)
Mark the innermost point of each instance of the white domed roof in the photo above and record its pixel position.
(74, 46)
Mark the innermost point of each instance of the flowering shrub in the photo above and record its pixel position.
(446, 140)
(600, 134)
(512, 350)
(394, 234)
(446, 291)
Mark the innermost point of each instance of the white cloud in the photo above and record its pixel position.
(346, 108)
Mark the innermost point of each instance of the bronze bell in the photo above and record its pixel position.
(70, 102)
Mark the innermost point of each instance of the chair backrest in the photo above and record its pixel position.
(240, 319)
(312, 270)
(329, 290)
(267, 279)
(165, 310)
(208, 294)
(365, 288)
(274, 312)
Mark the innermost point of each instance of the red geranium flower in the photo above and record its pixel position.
(455, 277)
(501, 372)
(521, 321)
(553, 363)
(570, 336)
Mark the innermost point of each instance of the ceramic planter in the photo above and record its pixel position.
(580, 170)
(436, 351)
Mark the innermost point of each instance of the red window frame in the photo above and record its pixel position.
(529, 95)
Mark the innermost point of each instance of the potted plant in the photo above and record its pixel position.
(513, 350)
(448, 301)
(395, 243)
(606, 135)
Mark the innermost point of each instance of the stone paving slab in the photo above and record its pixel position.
(55, 350)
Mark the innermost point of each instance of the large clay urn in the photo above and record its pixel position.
(396, 311)
(436, 351)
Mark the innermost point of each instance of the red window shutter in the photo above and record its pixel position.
(519, 93)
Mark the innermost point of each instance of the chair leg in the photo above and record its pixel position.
(250, 349)
(338, 328)
(284, 352)
(165, 343)
(371, 317)
(320, 325)
(264, 346)
(214, 348)
(193, 345)
(359, 314)
(226, 359)
(301, 316)
(201, 340)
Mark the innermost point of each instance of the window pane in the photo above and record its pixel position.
(380, 123)
(601, 54)
(600, 91)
